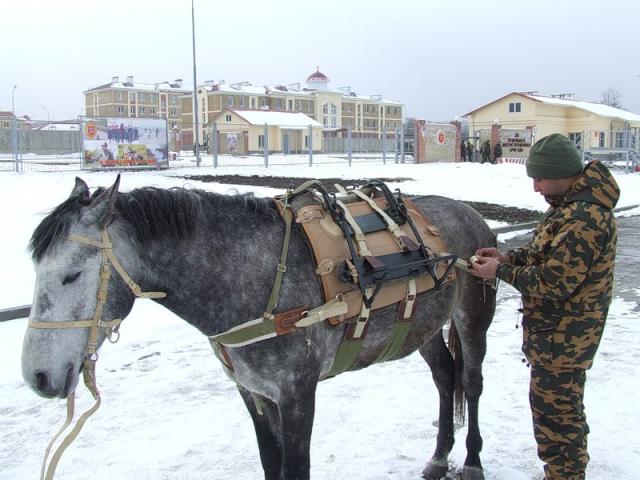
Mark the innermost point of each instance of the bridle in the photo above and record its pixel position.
(96, 324)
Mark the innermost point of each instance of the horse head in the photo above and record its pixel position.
(71, 291)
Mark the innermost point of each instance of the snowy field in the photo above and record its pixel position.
(169, 412)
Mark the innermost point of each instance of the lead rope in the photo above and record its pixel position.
(88, 374)
(91, 356)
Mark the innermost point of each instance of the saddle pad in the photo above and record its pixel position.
(330, 250)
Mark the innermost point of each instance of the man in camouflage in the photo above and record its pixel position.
(565, 276)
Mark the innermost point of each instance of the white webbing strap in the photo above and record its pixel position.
(410, 299)
(357, 231)
(392, 226)
(364, 316)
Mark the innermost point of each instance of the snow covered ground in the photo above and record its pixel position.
(169, 412)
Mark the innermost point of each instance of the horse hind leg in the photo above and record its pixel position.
(267, 427)
(441, 363)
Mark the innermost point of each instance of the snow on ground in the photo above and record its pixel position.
(169, 412)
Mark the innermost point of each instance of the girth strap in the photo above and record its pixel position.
(351, 343)
(402, 325)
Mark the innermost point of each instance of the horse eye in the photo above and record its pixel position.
(71, 278)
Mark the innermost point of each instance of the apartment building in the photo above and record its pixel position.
(338, 111)
(137, 100)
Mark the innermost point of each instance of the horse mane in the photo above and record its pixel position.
(154, 213)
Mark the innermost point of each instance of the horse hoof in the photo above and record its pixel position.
(472, 473)
(435, 471)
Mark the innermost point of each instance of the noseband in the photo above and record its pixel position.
(96, 324)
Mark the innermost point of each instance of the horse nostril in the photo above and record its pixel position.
(42, 382)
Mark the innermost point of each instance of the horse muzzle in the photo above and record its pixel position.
(48, 385)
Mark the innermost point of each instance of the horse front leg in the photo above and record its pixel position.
(440, 362)
(297, 410)
(268, 434)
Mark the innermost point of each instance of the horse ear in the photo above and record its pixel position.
(80, 189)
(102, 207)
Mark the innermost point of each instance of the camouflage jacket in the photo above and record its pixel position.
(565, 275)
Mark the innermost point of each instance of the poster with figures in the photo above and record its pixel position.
(112, 142)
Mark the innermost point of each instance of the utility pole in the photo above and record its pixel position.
(195, 88)
(48, 115)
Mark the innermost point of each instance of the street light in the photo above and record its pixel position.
(195, 87)
(13, 103)
(47, 114)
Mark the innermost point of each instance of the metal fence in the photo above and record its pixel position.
(46, 146)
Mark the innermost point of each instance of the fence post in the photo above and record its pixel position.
(395, 145)
(14, 140)
(266, 145)
(402, 145)
(384, 145)
(349, 147)
(81, 141)
(214, 143)
(310, 145)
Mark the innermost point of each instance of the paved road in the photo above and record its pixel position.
(627, 276)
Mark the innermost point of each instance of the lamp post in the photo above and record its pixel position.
(47, 110)
(195, 87)
(14, 128)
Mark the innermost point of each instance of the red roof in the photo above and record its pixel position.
(317, 75)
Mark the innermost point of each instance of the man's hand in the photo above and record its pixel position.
(485, 267)
(492, 253)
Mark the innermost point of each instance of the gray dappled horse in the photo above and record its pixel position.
(215, 257)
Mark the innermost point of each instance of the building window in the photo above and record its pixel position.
(308, 104)
(121, 109)
(142, 110)
(132, 97)
(227, 118)
(601, 142)
(329, 112)
(173, 111)
(515, 107)
(153, 110)
(229, 101)
(141, 97)
(263, 102)
(174, 99)
(241, 101)
(278, 103)
(306, 141)
(261, 141)
(120, 95)
(132, 110)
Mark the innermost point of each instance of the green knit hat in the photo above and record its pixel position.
(554, 156)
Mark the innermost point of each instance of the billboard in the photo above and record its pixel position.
(113, 142)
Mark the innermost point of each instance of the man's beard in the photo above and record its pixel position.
(554, 200)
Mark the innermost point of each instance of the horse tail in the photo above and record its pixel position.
(455, 347)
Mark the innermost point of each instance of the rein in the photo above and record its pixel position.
(96, 324)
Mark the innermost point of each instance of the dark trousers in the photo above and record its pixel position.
(559, 423)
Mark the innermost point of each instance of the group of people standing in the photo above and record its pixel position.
(468, 151)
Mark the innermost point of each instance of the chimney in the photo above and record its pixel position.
(178, 82)
(130, 79)
(115, 79)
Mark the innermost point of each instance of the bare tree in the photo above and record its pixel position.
(611, 97)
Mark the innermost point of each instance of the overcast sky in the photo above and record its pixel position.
(439, 58)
